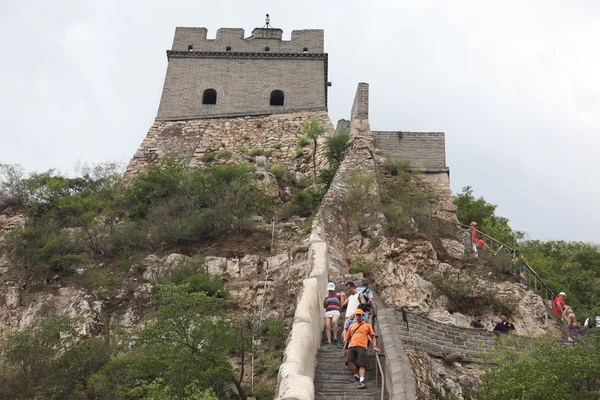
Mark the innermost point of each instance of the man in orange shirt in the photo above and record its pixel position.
(357, 342)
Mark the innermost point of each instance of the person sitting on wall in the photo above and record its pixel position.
(574, 327)
(476, 323)
(504, 326)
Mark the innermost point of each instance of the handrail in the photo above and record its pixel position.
(382, 376)
(528, 267)
(378, 368)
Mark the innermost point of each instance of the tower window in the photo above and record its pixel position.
(228, 48)
(209, 96)
(277, 98)
(190, 47)
(267, 49)
(305, 50)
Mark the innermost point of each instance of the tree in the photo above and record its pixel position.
(188, 340)
(336, 147)
(313, 129)
(543, 370)
(479, 210)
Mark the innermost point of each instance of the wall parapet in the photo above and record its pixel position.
(296, 373)
(424, 151)
(399, 378)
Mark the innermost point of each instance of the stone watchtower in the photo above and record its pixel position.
(235, 76)
(232, 98)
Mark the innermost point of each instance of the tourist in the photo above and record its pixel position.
(473, 232)
(332, 304)
(504, 326)
(574, 327)
(481, 245)
(519, 264)
(559, 306)
(352, 302)
(476, 323)
(355, 348)
(366, 303)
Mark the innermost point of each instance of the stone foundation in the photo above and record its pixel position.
(236, 140)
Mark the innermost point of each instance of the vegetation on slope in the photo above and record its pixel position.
(571, 267)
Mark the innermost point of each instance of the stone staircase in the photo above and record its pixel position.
(332, 377)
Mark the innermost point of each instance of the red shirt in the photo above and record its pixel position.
(558, 306)
(480, 243)
(473, 235)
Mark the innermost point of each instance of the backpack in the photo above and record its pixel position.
(366, 306)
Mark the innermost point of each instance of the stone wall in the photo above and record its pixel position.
(296, 373)
(438, 339)
(310, 39)
(230, 139)
(398, 373)
(243, 72)
(424, 151)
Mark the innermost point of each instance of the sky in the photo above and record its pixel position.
(515, 86)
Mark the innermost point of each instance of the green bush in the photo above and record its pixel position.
(209, 157)
(532, 371)
(275, 333)
(256, 152)
(224, 154)
(299, 153)
(304, 203)
(303, 141)
(362, 265)
(193, 274)
(336, 147)
(278, 171)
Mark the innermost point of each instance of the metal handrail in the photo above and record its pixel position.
(532, 272)
(378, 368)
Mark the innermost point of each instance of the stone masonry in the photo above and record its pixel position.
(424, 151)
(229, 140)
(244, 72)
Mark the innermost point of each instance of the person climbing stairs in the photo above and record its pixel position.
(333, 380)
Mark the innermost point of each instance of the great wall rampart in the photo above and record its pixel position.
(240, 121)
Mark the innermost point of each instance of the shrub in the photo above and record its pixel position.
(224, 154)
(256, 152)
(209, 157)
(278, 171)
(362, 265)
(193, 274)
(277, 146)
(303, 141)
(275, 333)
(299, 153)
(336, 147)
(304, 203)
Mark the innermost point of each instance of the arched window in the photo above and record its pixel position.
(277, 98)
(209, 96)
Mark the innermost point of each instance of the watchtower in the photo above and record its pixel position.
(235, 76)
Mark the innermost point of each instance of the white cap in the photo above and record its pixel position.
(331, 286)
(562, 294)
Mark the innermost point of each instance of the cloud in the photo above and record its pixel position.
(514, 85)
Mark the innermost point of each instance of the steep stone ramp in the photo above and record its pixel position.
(332, 377)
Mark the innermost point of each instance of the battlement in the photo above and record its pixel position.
(306, 41)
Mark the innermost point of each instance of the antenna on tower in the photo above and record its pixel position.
(268, 22)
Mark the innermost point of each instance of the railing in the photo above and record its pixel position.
(531, 277)
(379, 367)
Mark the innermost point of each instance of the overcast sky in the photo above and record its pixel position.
(515, 86)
